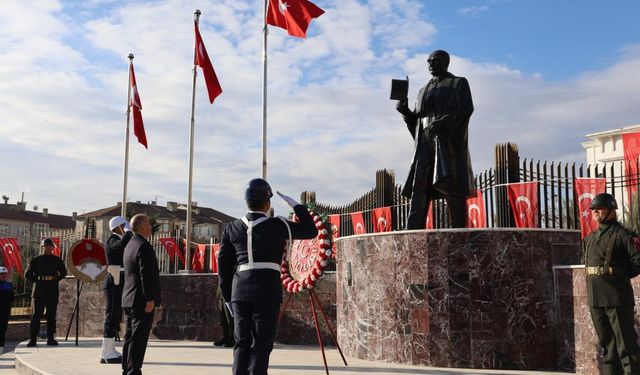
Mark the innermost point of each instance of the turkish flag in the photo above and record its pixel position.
(292, 15)
(631, 147)
(358, 223)
(476, 214)
(382, 221)
(136, 108)
(334, 220)
(429, 222)
(203, 61)
(11, 254)
(524, 203)
(172, 248)
(197, 262)
(215, 249)
(585, 190)
(56, 248)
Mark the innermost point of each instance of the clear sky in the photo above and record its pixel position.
(542, 73)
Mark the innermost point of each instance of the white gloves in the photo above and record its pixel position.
(127, 228)
(287, 199)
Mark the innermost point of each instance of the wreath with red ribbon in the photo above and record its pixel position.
(304, 264)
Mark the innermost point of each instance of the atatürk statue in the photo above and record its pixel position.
(441, 166)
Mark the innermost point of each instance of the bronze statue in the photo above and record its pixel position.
(441, 166)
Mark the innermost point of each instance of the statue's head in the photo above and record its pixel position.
(438, 62)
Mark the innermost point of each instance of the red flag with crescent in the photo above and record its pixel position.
(11, 254)
(334, 220)
(585, 190)
(197, 263)
(56, 248)
(202, 60)
(172, 248)
(476, 214)
(358, 223)
(215, 249)
(382, 221)
(136, 108)
(524, 203)
(429, 221)
(631, 149)
(292, 15)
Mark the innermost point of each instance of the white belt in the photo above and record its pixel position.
(259, 266)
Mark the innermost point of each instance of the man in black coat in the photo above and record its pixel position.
(249, 274)
(45, 272)
(112, 287)
(141, 294)
(612, 258)
(441, 166)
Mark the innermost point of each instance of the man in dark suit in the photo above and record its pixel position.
(441, 166)
(612, 258)
(249, 274)
(112, 287)
(45, 272)
(141, 294)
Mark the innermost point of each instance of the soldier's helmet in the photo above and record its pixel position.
(604, 200)
(258, 190)
(47, 242)
(116, 221)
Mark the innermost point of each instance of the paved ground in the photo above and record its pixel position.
(187, 358)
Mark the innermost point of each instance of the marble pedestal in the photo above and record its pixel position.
(452, 298)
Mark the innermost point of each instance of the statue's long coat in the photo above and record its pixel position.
(448, 96)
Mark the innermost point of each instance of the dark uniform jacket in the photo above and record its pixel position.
(6, 297)
(611, 290)
(50, 267)
(449, 97)
(141, 274)
(114, 247)
(268, 244)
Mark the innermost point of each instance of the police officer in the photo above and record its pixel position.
(611, 260)
(255, 244)
(45, 272)
(6, 297)
(112, 287)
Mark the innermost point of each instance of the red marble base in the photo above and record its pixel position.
(452, 298)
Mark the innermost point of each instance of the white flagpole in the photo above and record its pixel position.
(187, 250)
(265, 31)
(123, 212)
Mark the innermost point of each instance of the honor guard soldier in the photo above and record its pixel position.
(45, 272)
(611, 260)
(112, 288)
(249, 274)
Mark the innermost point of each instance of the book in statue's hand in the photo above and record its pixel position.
(399, 89)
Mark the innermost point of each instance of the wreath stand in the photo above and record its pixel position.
(76, 312)
(313, 297)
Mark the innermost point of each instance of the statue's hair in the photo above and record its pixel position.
(137, 221)
(443, 53)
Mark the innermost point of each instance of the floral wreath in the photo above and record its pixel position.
(289, 282)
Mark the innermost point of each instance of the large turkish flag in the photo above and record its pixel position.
(524, 203)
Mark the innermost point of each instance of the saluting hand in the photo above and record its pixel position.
(287, 199)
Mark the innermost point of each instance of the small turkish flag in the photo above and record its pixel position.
(585, 190)
(292, 15)
(215, 249)
(476, 214)
(382, 221)
(197, 263)
(358, 223)
(136, 107)
(524, 203)
(11, 254)
(429, 222)
(335, 231)
(172, 248)
(203, 61)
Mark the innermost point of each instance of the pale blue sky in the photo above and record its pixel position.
(542, 74)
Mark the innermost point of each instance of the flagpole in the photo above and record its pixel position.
(265, 32)
(187, 250)
(123, 212)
